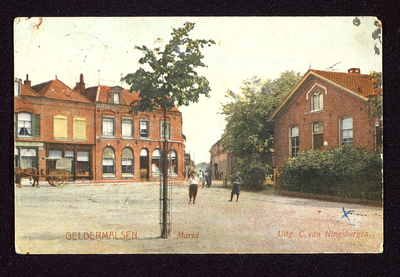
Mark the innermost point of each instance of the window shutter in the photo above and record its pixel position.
(36, 126)
(15, 124)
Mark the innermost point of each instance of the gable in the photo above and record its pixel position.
(357, 85)
(58, 90)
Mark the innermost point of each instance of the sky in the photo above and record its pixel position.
(102, 48)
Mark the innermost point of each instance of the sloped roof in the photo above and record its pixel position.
(58, 90)
(27, 91)
(102, 93)
(359, 85)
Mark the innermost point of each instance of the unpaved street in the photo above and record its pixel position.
(124, 218)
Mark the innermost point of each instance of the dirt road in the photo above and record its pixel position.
(124, 218)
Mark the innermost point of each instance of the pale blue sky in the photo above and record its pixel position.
(246, 46)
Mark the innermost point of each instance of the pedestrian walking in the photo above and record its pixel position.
(236, 181)
(193, 186)
(201, 178)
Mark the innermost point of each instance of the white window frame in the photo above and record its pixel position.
(147, 128)
(105, 127)
(127, 132)
(347, 130)
(116, 98)
(291, 137)
(25, 123)
(317, 101)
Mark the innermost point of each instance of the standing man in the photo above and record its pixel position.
(236, 181)
(193, 186)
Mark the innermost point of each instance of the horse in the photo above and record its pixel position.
(31, 173)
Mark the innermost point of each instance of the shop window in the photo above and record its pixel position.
(172, 164)
(127, 163)
(156, 163)
(108, 159)
(28, 158)
(83, 164)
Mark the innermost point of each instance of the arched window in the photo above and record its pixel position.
(144, 164)
(317, 101)
(156, 163)
(108, 158)
(127, 162)
(172, 164)
(28, 158)
(346, 131)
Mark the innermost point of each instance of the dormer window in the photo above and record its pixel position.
(116, 98)
(317, 101)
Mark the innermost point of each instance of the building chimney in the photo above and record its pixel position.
(354, 70)
(81, 85)
(27, 82)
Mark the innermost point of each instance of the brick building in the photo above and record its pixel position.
(53, 121)
(323, 110)
(221, 162)
(94, 128)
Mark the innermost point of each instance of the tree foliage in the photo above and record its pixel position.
(376, 102)
(172, 78)
(247, 134)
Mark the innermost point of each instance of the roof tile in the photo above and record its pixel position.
(358, 83)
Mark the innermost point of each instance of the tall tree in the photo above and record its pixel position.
(247, 134)
(171, 80)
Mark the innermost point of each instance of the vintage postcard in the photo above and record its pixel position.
(198, 135)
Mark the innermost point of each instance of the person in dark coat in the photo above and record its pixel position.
(236, 181)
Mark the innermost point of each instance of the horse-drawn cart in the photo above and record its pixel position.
(57, 177)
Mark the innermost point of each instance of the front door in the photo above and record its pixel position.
(144, 165)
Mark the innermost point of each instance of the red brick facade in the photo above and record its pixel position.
(57, 117)
(340, 115)
(221, 162)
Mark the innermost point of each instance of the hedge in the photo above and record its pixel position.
(343, 172)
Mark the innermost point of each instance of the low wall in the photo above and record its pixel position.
(331, 198)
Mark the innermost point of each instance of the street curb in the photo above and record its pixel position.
(331, 198)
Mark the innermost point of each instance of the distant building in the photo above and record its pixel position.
(221, 162)
(94, 128)
(324, 110)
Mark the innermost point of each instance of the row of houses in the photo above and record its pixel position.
(94, 128)
(325, 109)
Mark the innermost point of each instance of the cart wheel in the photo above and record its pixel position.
(59, 180)
(63, 180)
